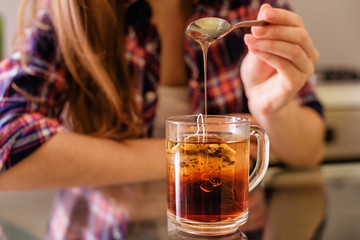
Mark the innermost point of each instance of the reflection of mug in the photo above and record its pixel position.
(179, 235)
(208, 171)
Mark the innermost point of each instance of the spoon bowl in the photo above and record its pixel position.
(210, 29)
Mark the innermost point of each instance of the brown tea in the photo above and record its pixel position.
(207, 181)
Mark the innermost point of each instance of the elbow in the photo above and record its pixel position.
(308, 160)
(313, 153)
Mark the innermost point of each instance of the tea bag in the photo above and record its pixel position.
(207, 162)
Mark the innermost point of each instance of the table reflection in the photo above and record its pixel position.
(296, 206)
(289, 204)
(178, 235)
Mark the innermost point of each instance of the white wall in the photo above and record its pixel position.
(8, 13)
(333, 25)
(335, 28)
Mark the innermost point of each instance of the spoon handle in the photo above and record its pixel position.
(246, 25)
(250, 23)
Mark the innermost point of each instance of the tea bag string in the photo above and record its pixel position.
(200, 117)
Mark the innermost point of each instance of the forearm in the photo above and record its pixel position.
(69, 159)
(296, 135)
(170, 18)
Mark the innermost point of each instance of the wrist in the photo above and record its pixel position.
(266, 117)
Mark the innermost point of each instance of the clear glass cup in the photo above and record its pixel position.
(208, 176)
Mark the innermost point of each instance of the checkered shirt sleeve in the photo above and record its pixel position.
(29, 97)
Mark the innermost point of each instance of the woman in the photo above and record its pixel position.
(73, 115)
(76, 111)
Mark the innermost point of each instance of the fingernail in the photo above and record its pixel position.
(265, 5)
(262, 12)
(249, 39)
(258, 31)
(269, 14)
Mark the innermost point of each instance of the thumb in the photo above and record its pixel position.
(261, 14)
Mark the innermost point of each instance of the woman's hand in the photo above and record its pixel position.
(280, 60)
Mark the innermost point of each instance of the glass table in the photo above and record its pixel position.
(316, 204)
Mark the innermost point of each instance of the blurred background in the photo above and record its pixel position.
(333, 26)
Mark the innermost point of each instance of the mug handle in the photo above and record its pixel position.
(262, 161)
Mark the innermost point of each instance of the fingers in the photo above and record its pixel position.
(285, 38)
(279, 16)
(291, 52)
(286, 69)
(296, 35)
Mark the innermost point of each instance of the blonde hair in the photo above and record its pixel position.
(91, 37)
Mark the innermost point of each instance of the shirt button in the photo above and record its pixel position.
(138, 98)
(150, 96)
(194, 84)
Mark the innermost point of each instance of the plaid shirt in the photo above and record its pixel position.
(27, 122)
(86, 213)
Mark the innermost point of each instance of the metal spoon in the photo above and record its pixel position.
(210, 29)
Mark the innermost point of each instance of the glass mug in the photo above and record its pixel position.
(207, 162)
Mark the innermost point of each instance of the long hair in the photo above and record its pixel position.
(90, 34)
